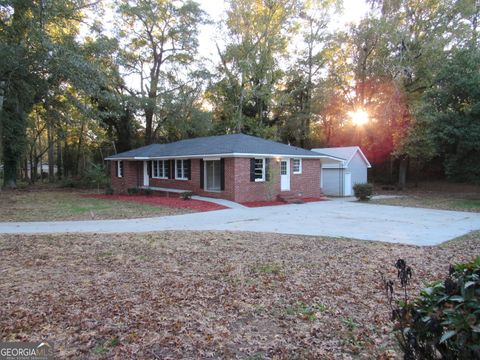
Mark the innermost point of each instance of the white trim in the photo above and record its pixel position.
(158, 168)
(120, 173)
(262, 179)
(183, 170)
(227, 155)
(299, 167)
(346, 161)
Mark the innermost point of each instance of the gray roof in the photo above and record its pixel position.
(345, 152)
(234, 144)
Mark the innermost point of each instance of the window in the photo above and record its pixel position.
(259, 169)
(120, 168)
(160, 169)
(181, 172)
(297, 166)
(283, 167)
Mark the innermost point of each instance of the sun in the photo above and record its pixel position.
(359, 117)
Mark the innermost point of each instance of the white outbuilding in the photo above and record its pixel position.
(337, 179)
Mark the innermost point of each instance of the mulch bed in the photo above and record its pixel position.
(173, 202)
(253, 204)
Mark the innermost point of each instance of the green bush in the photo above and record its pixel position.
(133, 191)
(147, 192)
(187, 195)
(108, 190)
(363, 191)
(444, 322)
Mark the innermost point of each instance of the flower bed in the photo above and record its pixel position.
(173, 202)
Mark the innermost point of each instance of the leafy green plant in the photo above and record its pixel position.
(444, 321)
(363, 191)
(108, 190)
(133, 191)
(187, 195)
(146, 192)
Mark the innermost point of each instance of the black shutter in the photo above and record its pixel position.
(116, 167)
(172, 169)
(201, 174)
(187, 168)
(267, 169)
(149, 168)
(222, 174)
(252, 169)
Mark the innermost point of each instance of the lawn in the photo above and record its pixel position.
(59, 204)
(206, 295)
(438, 195)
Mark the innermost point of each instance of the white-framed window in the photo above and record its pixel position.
(181, 170)
(297, 166)
(259, 169)
(120, 168)
(160, 169)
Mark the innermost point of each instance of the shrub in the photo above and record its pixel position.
(363, 191)
(444, 321)
(187, 195)
(133, 191)
(109, 190)
(147, 192)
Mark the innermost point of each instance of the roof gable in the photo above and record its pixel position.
(345, 152)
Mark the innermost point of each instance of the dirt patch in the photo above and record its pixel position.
(207, 295)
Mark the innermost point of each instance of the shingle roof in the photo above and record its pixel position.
(216, 145)
(345, 152)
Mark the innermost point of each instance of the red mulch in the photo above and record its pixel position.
(253, 204)
(174, 202)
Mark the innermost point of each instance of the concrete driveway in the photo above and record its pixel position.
(330, 218)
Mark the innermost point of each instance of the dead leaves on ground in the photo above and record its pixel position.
(175, 295)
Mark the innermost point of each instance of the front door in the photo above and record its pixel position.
(212, 175)
(146, 178)
(285, 175)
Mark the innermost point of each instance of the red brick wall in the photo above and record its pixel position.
(194, 183)
(306, 184)
(238, 186)
(130, 175)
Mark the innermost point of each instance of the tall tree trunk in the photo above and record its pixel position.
(402, 172)
(51, 157)
(59, 160)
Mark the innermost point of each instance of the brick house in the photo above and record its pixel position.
(235, 167)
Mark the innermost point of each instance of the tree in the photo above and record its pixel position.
(452, 111)
(250, 72)
(159, 41)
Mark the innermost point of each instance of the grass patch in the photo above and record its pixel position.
(433, 201)
(51, 204)
(168, 295)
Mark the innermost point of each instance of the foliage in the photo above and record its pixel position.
(186, 195)
(452, 110)
(444, 321)
(133, 191)
(139, 191)
(363, 191)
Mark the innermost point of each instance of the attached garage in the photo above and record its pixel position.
(338, 178)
